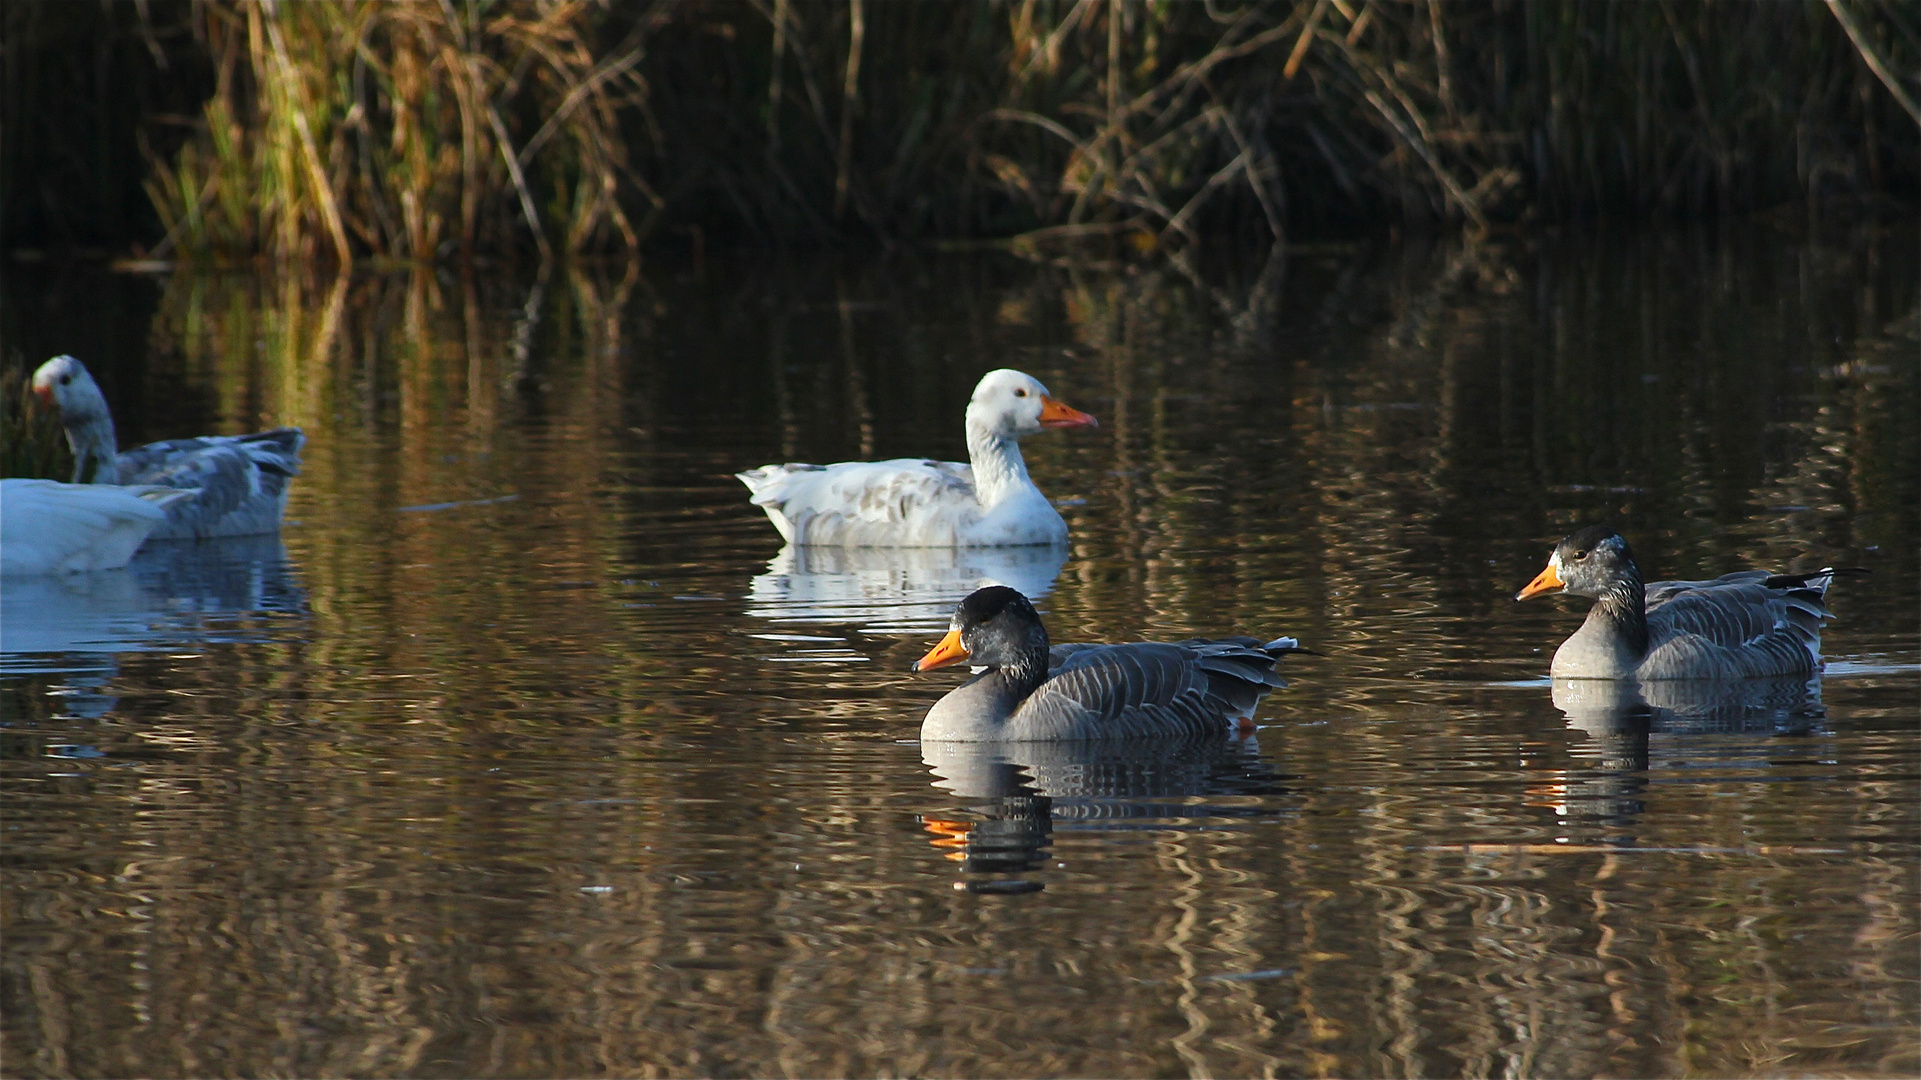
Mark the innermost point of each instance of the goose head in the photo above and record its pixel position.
(996, 627)
(1012, 404)
(65, 386)
(1593, 562)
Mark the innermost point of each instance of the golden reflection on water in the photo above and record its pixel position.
(559, 770)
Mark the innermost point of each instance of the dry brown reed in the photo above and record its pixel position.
(391, 129)
(431, 129)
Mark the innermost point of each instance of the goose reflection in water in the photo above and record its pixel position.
(173, 593)
(1017, 793)
(894, 588)
(1666, 724)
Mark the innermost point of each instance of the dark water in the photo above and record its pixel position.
(530, 754)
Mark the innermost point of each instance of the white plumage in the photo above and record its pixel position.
(893, 589)
(47, 527)
(912, 502)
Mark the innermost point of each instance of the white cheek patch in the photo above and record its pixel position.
(1554, 560)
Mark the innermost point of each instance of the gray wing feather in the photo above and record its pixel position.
(1116, 691)
(242, 480)
(1736, 626)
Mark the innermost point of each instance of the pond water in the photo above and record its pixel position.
(528, 751)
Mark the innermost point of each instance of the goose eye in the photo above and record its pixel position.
(1020, 393)
(65, 379)
(1579, 555)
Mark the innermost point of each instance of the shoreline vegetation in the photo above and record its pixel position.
(353, 131)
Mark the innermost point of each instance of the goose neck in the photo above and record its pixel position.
(1025, 673)
(94, 454)
(1623, 605)
(999, 469)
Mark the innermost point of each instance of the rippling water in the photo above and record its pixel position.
(530, 752)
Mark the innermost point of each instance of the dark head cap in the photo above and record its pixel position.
(1578, 545)
(984, 605)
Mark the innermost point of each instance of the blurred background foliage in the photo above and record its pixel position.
(221, 130)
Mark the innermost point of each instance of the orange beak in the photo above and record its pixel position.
(948, 651)
(44, 391)
(1056, 415)
(951, 834)
(1547, 581)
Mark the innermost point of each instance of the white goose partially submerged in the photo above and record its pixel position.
(912, 502)
(242, 479)
(47, 527)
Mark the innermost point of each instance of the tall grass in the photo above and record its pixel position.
(406, 130)
(32, 442)
(429, 129)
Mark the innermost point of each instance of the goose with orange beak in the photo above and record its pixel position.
(912, 502)
(1749, 624)
(1026, 691)
(240, 481)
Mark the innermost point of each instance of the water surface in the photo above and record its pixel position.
(530, 752)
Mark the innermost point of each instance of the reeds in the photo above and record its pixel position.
(1470, 112)
(405, 130)
(32, 442)
(425, 130)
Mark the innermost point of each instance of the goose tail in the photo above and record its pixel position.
(1817, 581)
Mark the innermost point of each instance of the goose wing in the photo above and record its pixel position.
(903, 502)
(47, 527)
(1149, 688)
(242, 479)
(1735, 626)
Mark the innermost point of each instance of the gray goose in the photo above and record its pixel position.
(242, 479)
(1029, 692)
(1750, 624)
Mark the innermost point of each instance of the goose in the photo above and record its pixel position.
(242, 479)
(1079, 691)
(1750, 624)
(911, 502)
(47, 527)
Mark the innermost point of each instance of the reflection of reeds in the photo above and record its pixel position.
(418, 130)
(397, 815)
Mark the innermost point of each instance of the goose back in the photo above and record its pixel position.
(1737, 626)
(1191, 687)
(47, 527)
(242, 479)
(901, 502)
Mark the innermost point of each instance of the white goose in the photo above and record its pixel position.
(47, 527)
(1744, 625)
(911, 502)
(242, 479)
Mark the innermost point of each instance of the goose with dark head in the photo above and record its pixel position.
(1748, 624)
(1028, 691)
